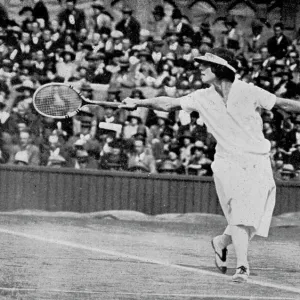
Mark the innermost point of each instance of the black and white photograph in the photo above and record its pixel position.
(150, 149)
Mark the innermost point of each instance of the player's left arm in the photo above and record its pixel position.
(287, 105)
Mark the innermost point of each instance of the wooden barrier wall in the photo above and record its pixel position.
(90, 191)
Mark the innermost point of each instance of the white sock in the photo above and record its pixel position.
(240, 238)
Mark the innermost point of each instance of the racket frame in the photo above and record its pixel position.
(84, 101)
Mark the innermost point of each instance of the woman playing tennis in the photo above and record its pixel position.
(242, 169)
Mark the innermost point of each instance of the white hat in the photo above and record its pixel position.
(116, 34)
(53, 138)
(22, 156)
(144, 32)
(215, 59)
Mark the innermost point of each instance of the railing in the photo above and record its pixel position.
(88, 191)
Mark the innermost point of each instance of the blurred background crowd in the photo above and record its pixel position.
(109, 60)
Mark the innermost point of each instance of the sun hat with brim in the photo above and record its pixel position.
(214, 59)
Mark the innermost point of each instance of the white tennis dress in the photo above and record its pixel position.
(242, 169)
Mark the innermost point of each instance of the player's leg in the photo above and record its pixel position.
(241, 236)
(220, 244)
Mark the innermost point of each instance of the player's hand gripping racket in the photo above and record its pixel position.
(61, 101)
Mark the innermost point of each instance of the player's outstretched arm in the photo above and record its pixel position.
(158, 103)
(288, 105)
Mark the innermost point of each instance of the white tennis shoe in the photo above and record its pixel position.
(241, 274)
(220, 256)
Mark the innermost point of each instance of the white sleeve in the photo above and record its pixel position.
(264, 98)
(190, 102)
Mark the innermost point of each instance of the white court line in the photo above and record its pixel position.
(145, 259)
(145, 294)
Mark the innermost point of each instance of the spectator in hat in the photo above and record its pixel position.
(156, 53)
(124, 77)
(144, 38)
(82, 161)
(26, 91)
(27, 14)
(183, 29)
(199, 164)
(142, 112)
(233, 38)
(25, 144)
(56, 161)
(256, 39)
(186, 142)
(256, 67)
(140, 160)
(40, 13)
(116, 41)
(288, 173)
(206, 37)
(159, 23)
(116, 159)
(295, 156)
(145, 72)
(53, 147)
(21, 158)
(48, 45)
(278, 44)
(101, 18)
(67, 67)
(171, 162)
(133, 125)
(23, 50)
(129, 25)
(71, 17)
(36, 36)
(172, 44)
(3, 46)
(197, 131)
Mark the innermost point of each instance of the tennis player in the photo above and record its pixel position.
(242, 170)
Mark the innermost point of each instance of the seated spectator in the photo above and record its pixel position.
(140, 160)
(197, 131)
(295, 157)
(116, 159)
(172, 161)
(143, 40)
(82, 160)
(186, 141)
(25, 144)
(53, 147)
(133, 125)
(156, 53)
(67, 67)
(124, 77)
(199, 164)
(56, 161)
(288, 173)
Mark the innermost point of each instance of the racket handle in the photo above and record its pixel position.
(72, 114)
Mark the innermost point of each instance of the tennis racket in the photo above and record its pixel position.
(62, 101)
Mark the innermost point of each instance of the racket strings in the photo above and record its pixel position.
(57, 100)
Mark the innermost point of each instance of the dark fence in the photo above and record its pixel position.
(89, 191)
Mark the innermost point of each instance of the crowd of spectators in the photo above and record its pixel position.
(97, 50)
